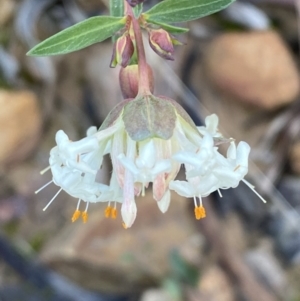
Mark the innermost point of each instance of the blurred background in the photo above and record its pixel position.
(242, 64)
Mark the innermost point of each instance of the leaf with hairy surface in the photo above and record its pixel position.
(79, 36)
(171, 11)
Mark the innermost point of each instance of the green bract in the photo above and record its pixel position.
(151, 121)
(170, 11)
(80, 35)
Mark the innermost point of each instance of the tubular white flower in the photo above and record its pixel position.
(74, 165)
(113, 193)
(136, 164)
(76, 172)
(208, 170)
(211, 126)
(146, 166)
(164, 202)
(199, 186)
(234, 169)
(201, 160)
(129, 208)
(144, 174)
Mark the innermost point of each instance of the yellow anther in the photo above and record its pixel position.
(124, 226)
(84, 216)
(76, 215)
(108, 211)
(200, 212)
(114, 213)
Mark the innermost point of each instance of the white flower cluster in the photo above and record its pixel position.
(136, 164)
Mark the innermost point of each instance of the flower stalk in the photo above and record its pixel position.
(144, 83)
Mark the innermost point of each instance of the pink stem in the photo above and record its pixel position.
(144, 87)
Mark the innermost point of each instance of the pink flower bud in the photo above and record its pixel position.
(161, 42)
(123, 51)
(129, 80)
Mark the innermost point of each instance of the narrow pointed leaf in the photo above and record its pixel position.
(138, 10)
(171, 11)
(116, 8)
(79, 36)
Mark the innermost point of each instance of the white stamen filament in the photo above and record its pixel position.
(195, 201)
(143, 189)
(253, 189)
(52, 199)
(87, 206)
(220, 194)
(200, 199)
(78, 204)
(45, 170)
(37, 191)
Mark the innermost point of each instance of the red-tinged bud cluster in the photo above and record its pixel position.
(129, 81)
(122, 51)
(133, 3)
(162, 43)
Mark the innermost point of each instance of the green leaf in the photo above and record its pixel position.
(173, 287)
(137, 10)
(78, 36)
(171, 11)
(116, 8)
(183, 270)
(170, 28)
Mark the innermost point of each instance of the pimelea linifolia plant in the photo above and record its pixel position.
(148, 137)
